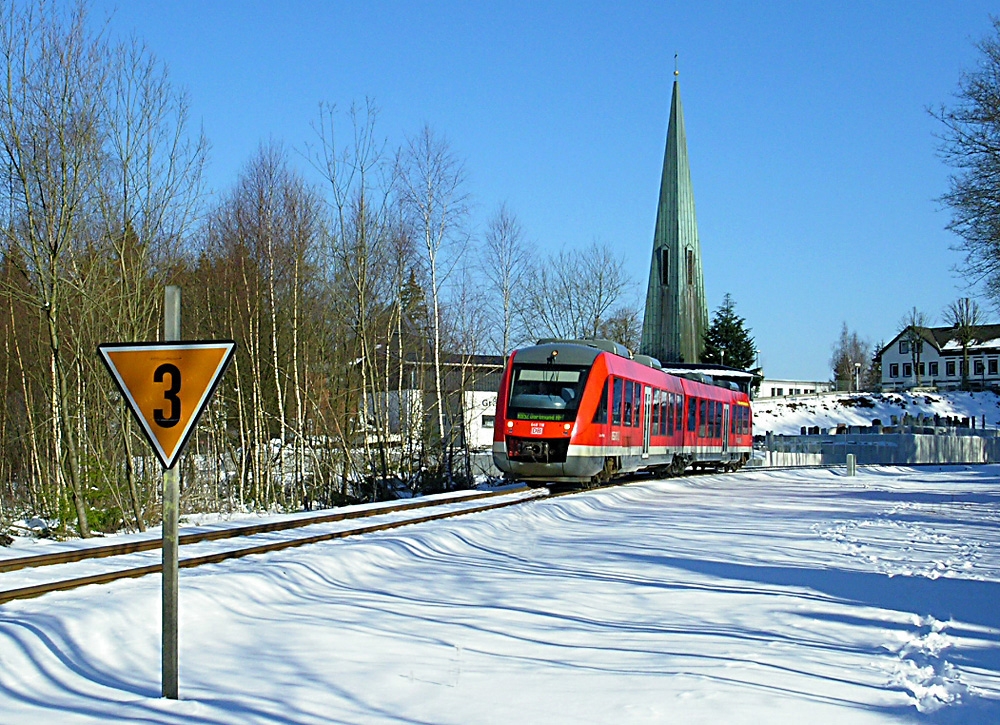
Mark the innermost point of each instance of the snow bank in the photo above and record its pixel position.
(786, 416)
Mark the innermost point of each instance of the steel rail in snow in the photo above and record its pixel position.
(133, 547)
(37, 590)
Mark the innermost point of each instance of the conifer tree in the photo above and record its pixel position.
(727, 340)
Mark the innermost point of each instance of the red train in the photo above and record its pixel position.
(585, 411)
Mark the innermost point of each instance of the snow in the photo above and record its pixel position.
(761, 596)
(786, 416)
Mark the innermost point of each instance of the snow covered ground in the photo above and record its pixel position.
(761, 596)
(827, 410)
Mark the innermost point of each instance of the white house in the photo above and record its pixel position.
(775, 388)
(935, 359)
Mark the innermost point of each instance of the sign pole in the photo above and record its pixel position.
(171, 496)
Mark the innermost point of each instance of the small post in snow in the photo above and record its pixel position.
(851, 464)
(171, 497)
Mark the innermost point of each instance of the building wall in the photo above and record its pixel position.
(480, 414)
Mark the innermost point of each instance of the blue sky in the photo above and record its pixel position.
(813, 155)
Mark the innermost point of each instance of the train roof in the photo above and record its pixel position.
(568, 352)
(585, 351)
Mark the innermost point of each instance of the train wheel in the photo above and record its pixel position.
(606, 474)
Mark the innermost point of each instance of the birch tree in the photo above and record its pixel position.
(433, 190)
(505, 265)
(361, 183)
(50, 130)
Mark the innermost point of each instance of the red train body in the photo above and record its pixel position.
(585, 412)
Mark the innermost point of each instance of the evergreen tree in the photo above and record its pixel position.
(727, 340)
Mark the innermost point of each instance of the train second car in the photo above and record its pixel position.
(586, 411)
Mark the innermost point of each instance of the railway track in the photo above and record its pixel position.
(32, 576)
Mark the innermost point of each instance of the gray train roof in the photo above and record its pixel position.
(567, 353)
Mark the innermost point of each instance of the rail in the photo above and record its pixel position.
(453, 507)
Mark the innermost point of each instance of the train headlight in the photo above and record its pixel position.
(567, 427)
(510, 424)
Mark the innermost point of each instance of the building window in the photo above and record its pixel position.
(894, 370)
(949, 368)
(920, 369)
(907, 370)
(690, 266)
(488, 421)
(781, 391)
(664, 259)
(904, 347)
(977, 367)
(992, 367)
(933, 369)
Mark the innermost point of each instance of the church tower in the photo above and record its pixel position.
(676, 317)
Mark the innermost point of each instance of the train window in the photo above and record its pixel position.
(718, 419)
(670, 415)
(734, 418)
(692, 415)
(678, 412)
(629, 390)
(616, 403)
(546, 393)
(656, 412)
(665, 405)
(601, 415)
(703, 419)
(637, 408)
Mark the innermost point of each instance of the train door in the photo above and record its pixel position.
(725, 427)
(647, 416)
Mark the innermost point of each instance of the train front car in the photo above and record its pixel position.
(545, 390)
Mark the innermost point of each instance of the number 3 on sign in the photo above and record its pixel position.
(169, 394)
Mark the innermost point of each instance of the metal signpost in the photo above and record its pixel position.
(166, 386)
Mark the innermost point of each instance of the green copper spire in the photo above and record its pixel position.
(673, 328)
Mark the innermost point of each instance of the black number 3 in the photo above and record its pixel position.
(169, 394)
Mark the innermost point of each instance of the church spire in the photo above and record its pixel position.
(676, 317)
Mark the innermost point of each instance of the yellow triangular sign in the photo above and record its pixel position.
(167, 385)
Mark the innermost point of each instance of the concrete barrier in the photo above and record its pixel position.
(882, 449)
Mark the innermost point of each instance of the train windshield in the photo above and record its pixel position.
(546, 393)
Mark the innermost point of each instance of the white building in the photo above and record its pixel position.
(775, 388)
(933, 358)
(470, 384)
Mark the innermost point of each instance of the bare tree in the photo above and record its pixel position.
(505, 265)
(970, 144)
(51, 129)
(851, 359)
(433, 190)
(964, 316)
(624, 325)
(570, 294)
(363, 235)
(913, 326)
